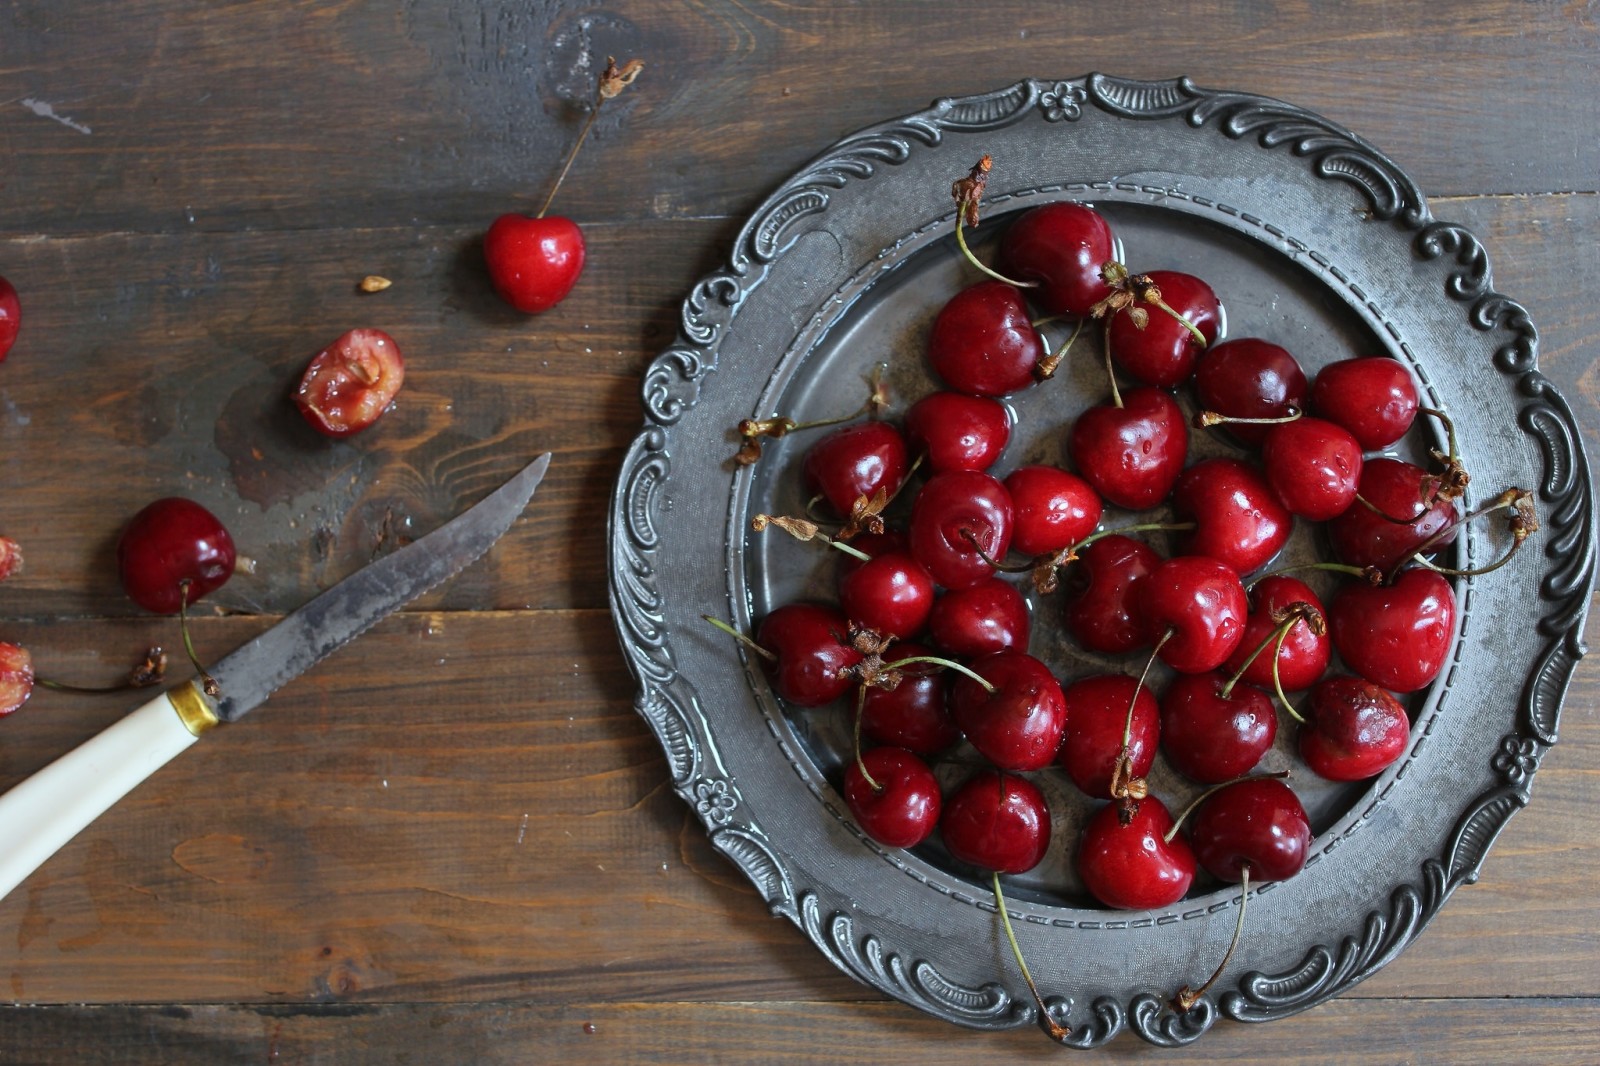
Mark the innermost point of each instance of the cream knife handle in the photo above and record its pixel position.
(41, 814)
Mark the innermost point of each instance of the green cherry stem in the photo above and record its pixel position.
(1186, 998)
(1050, 1024)
(740, 637)
(207, 682)
(861, 765)
(951, 663)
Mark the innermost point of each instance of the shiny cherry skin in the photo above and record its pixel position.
(996, 821)
(903, 810)
(1238, 519)
(1201, 603)
(912, 715)
(1063, 247)
(956, 431)
(1303, 657)
(1313, 466)
(16, 677)
(1398, 635)
(1130, 867)
(1354, 729)
(351, 382)
(1052, 508)
(855, 461)
(1373, 397)
(956, 514)
(1018, 726)
(1164, 351)
(813, 661)
(983, 342)
(890, 594)
(1131, 454)
(173, 553)
(872, 545)
(1249, 378)
(1210, 738)
(1102, 611)
(1097, 714)
(1259, 823)
(533, 262)
(980, 619)
(10, 317)
(1363, 537)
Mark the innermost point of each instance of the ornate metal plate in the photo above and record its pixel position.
(1312, 238)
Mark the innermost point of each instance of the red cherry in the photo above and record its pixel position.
(1398, 635)
(956, 514)
(1304, 654)
(1249, 378)
(983, 342)
(1210, 737)
(1201, 604)
(1313, 466)
(10, 317)
(1097, 716)
(173, 553)
(16, 677)
(1375, 398)
(957, 431)
(1063, 247)
(1238, 519)
(1259, 823)
(890, 594)
(1353, 730)
(1132, 454)
(533, 262)
(1019, 725)
(997, 822)
(1363, 537)
(855, 461)
(1131, 867)
(904, 809)
(1104, 616)
(352, 381)
(913, 714)
(1164, 351)
(1051, 507)
(813, 661)
(986, 617)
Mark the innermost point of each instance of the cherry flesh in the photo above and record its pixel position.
(1258, 823)
(855, 461)
(1019, 725)
(1249, 378)
(983, 342)
(1051, 507)
(1130, 865)
(351, 382)
(1304, 653)
(957, 432)
(958, 518)
(1131, 454)
(533, 262)
(1354, 729)
(813, 659)
(912, 715)
(1398, 635)
(1199, 605)
(1163, 352)
(10, 317)
(1362, 536)
(1097, 719)
(1373, 397)
(890, 594)
(173, 553)
(998, 822)
(1104, 616)
(1313, 465)
(16, 677)
(1238, 519)
(903, 810)
(980, 619)
(1063, 247)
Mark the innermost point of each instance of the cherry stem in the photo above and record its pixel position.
(1051, 1025)
(1205, 419)
(1157, 301)
(148, 671)
(951, 663)
(961, 241)
(861, 765)
(1522, 525)
(1449, 429)
(1127, 787)
(1185, 1000)
(741, 638)
(1005, 568)
(611, 82)
(1193, 805)
(1111, 373)
(1143, 527)
(1127, 727)
(1047, 366)
(207, 682)
(1277, 677)
(1370, 574)
(1386, 516)
(803, 530)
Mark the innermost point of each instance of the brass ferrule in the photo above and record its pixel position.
(194, 710)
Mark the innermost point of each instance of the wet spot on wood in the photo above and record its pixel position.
(223, 858)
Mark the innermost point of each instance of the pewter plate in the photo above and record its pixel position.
(1313, 239)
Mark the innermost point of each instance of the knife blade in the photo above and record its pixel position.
(42, 813)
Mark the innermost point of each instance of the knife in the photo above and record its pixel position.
(41, 814)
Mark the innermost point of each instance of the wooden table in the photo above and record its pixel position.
(456, 841)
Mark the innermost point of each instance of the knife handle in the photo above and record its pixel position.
(41, 814)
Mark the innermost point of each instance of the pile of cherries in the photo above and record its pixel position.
(930, 634)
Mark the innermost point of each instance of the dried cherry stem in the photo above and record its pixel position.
(804, 530)
(1050, 1025)
(1206, 419)
(1524, 522)
(1186, 998)
(741, 638)
(951, 663)
(1126, 787)
(148, 671)
(1046, 368)
(1128, 291)
(1451, 483)
(861, 764)
(968, 195)
(612, 81)
(752, 430)
(207, 682)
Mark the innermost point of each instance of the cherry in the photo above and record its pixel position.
(1391, 518)
(913, 714)
(996, 821)
(10, 317)
(1163, 350)
(1249, 378)
(958, 432)
(810, 659)
(871, 545)
(1313, 465)
(983, 342)
(1238, 519)
(1397, 635)
(982, 618)
(1133, 453)
(16, 677)
(1051, 507)
(1195, 608)
(960, 521)
(890, 594)
(1303, 653)
(173, 553)
(351, 382)
(1097, 721)
(1375, 398)
(1127, 860)
(1063, 247)
(1214, 730)
(1104, 616)
(1259, 823)
(1017, 720)
(903, 809)
(1353, 730)
(10, 557)
(855, 462)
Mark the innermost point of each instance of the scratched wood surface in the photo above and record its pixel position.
(455, 841)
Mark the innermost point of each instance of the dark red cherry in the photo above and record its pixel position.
(1363, 537)
(1019, 725)
(10, 317)
(1063, 247)
(856, 461)
(959, 517)
(1210, 737)
(1398, 635)
(1164, 351)
(814, 660)
(1103, 611)
(983, 342)
(1353, 730)
(1313, 466)
(873, 545)
(912, 715)
(997, 822)
(173, 553)
(982, 618)
(1132, 454)
(890, 594)
(1201, 604)
(533, 262)
(1051, 508)
(1304, 654)
(904, 809)
(1259, 823)
(957, 432)
(1374, 397)
(1249, 378)
(1131, 866)
(1097, 716)
(1238, 519)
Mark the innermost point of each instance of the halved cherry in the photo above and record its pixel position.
(351, 382)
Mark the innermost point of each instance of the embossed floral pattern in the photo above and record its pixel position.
(715, 800)
(1517, 759)
(1062, 101)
